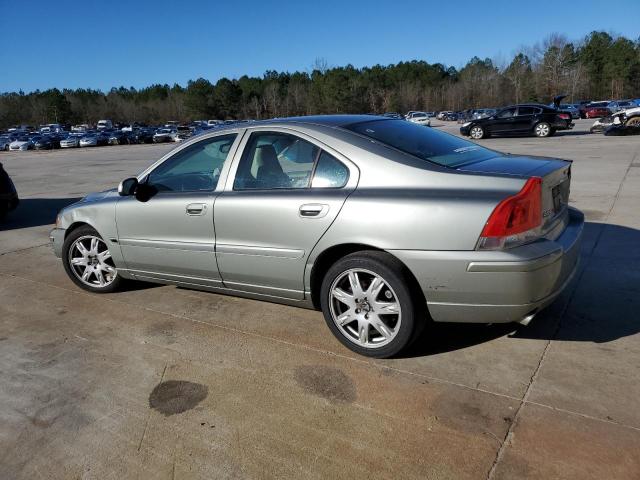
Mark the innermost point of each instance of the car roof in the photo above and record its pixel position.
(330, 121)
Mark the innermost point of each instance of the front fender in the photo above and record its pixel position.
(98, 214)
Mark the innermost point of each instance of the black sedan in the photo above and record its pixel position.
(8, 195)
(44, 142)
(526, 119)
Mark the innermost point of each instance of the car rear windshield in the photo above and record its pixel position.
(425, 143)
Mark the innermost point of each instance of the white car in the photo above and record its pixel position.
(71, 141)
(104, 124)
(165, 135)
(21, 144)
(420, 118)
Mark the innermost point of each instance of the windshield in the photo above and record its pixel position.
(423, 142)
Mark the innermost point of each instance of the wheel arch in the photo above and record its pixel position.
(76, 225)
(331, 255)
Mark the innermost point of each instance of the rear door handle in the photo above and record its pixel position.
(313, 210)
(196, 209)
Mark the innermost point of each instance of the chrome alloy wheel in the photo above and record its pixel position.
(542, 130)
(476, 133)
(365, 308)
(91, 262)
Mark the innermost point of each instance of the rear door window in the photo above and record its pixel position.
(422, 142)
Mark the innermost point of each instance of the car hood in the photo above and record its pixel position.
(19, 142)
(516, 165)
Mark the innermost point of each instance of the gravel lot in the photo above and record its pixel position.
(267, 390)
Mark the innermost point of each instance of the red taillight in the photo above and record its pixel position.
(564, 116)
(518, 213)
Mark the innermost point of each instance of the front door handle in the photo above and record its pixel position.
(196, 209)
(313, 210)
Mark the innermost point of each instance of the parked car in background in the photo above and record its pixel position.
(393, 115)
(104, 125)
(164, 135)
(627, 118)
(43, 142)
(597, 110)
(80, 128)
(620, 105)
(22, 143)
(142, 135)
(117, 137)
(71, 141)
(8, 195)
(524, 119)
(94, 139)
(285, 204)
(420, 118)
(571, 108)
(5, 140)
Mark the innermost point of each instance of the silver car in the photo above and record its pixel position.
(382, 224)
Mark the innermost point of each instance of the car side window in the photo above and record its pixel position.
(526, 111)
(273, 160)
(194, 168)
(506, 113)
(329, 173)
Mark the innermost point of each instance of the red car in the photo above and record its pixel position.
(597, 110)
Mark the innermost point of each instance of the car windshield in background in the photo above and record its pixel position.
(423, 142)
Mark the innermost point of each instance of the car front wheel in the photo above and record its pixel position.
(87, 261)
(367, 303)
(542, 130)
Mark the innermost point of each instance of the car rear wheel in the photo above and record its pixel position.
(476, 132)
(542, 130)
(367, 304)
(87, 261)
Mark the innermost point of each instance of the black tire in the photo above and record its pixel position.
(84, 231)
(396, 276)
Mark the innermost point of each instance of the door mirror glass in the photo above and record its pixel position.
(127, 187)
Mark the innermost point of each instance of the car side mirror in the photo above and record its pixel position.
(144, 192)
(128, 187)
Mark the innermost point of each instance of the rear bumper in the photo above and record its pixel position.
(564, 125)
(496, 286)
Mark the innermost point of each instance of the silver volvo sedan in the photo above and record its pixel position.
(382, 224)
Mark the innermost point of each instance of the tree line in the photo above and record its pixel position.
(600, 66)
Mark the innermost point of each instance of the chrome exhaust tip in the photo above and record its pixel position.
(527, 318)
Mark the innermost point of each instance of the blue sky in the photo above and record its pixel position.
(99, 44)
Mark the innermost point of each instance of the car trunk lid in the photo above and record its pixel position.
(556, 182)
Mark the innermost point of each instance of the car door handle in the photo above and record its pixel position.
(196, 209)
(313, 210)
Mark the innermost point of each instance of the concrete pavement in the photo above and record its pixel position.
(163, 382)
